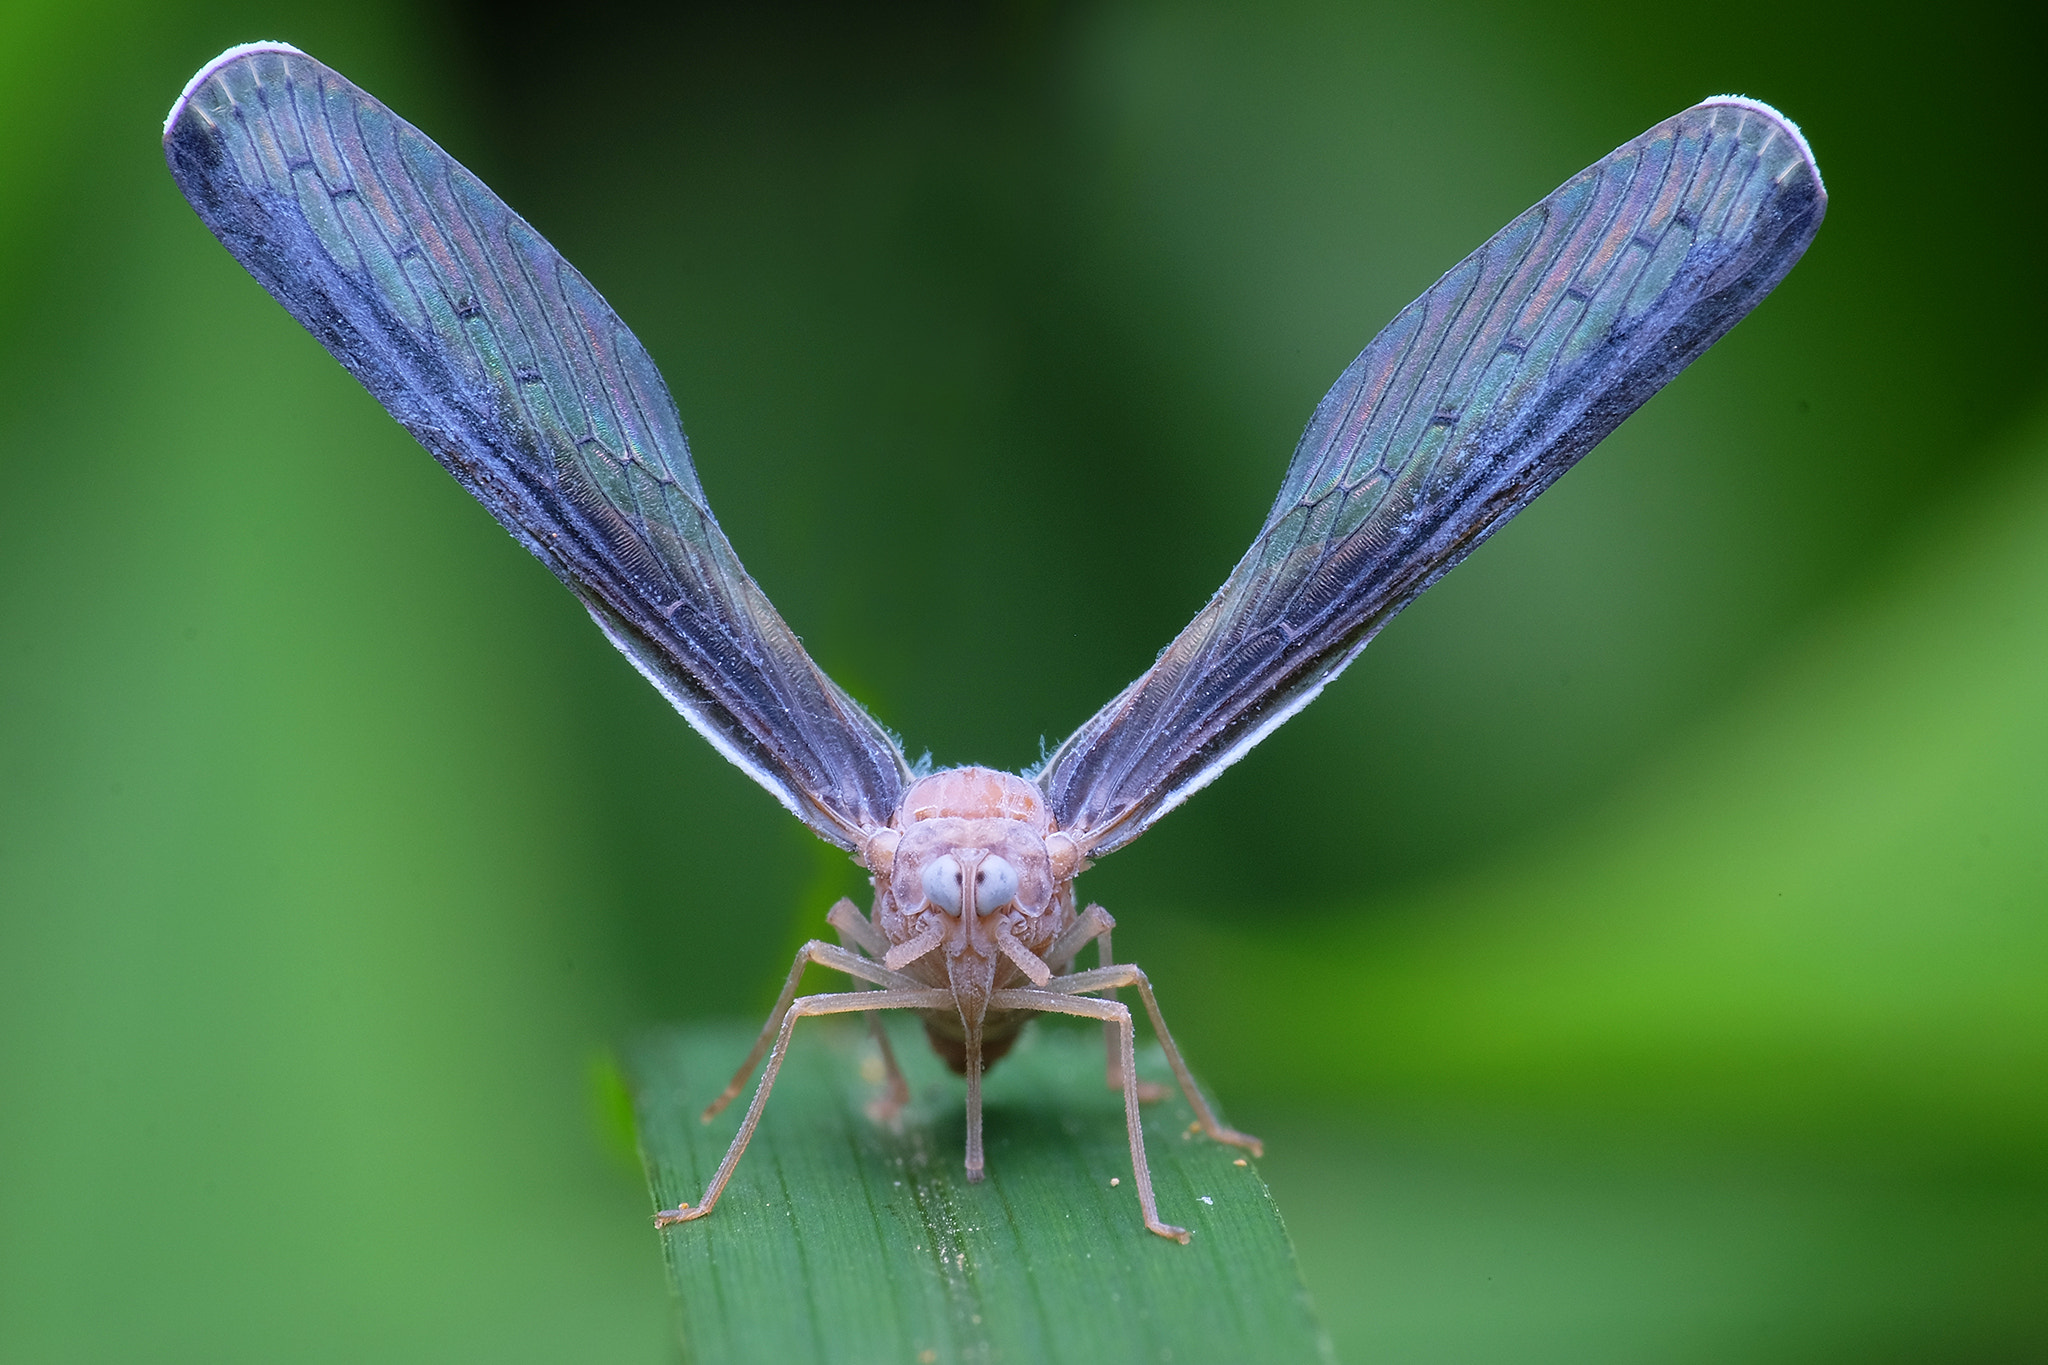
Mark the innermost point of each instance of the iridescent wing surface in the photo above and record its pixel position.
(511, 370)
(1471, 402)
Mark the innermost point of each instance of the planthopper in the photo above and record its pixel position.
(510, 369)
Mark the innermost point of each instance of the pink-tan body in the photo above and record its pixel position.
(974, 927)
(968, 814)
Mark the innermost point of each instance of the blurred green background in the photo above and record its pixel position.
(1641, 955)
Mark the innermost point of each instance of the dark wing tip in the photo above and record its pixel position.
(200, 77)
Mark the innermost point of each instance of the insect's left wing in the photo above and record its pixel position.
(506, 365)
(1468, 405)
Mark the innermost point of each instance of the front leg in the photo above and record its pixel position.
(855, 930)
(787, 1013)
(1116, 1017)
(1091, 924)
(1127, 974)
(825, 955)
(1095, 923)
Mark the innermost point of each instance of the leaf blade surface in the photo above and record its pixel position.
(841, 1239)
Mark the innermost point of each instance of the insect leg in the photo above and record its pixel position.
(1098, 922)
(853, 927)
(1115, 1015)
(1093, 921)
(1112, 1059)
(1128, 974)
(825, 955)
(1207, 1116)
(847, 1002)
(889, 1106)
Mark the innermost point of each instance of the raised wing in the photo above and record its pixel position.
(1471, 402)
(506, 365)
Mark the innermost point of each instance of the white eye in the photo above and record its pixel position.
(942, 883)
(995, 884)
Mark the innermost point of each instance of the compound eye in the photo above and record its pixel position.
(995, 884)
(942, 883)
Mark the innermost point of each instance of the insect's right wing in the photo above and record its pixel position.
(505, 364)
(1471, 402)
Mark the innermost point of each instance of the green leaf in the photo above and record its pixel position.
(842, 1239)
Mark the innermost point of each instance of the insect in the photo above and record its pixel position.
(511, 370)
